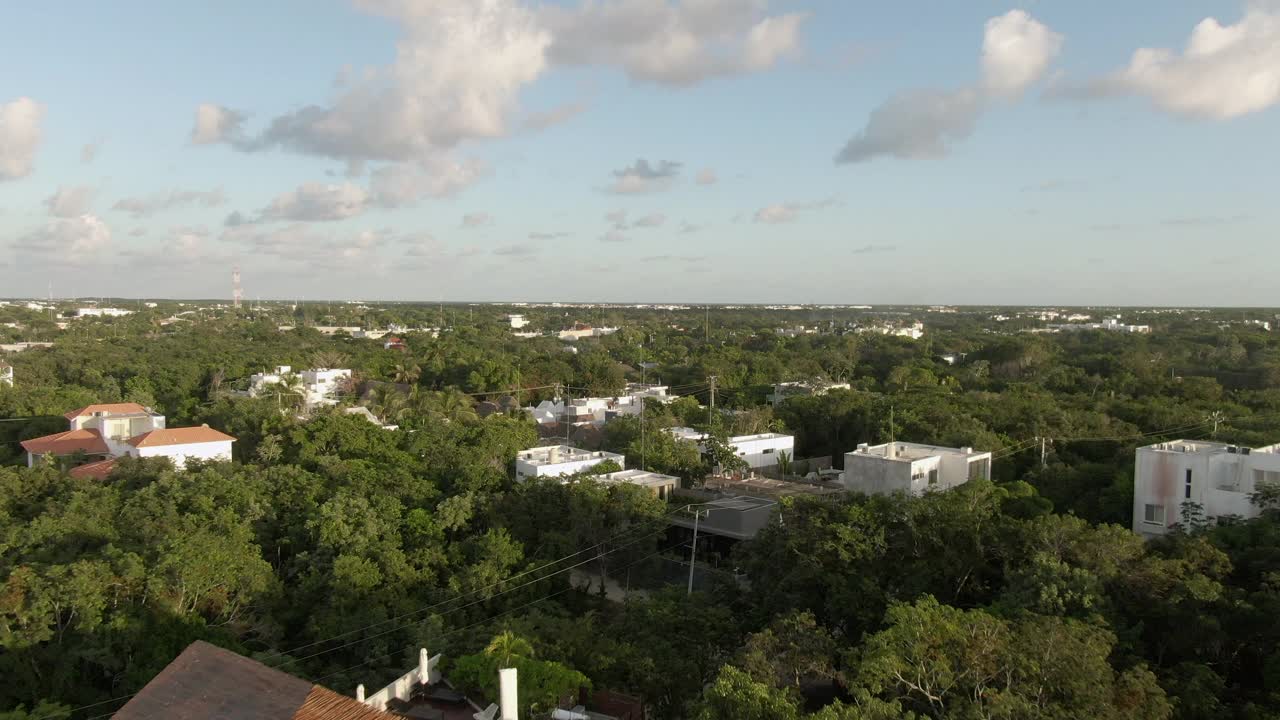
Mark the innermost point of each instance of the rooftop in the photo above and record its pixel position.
(88, 441)
(208, 683)
(769, 487)
(639, 477)
(179, 436)
(556, 454)
(110, 409)
(96, 470)
(757, 436)
(909, 451)
(1205, 446)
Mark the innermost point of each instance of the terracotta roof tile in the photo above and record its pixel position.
(97, 470)
(208, 683)
(88, 441)
(112, 408)
(179, 436)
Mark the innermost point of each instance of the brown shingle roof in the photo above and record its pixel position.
(209, 683)
(88, 441)
(112, 408)
(98, 470)
(178, 436)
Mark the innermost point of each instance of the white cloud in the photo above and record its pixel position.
(787, 212)
(673, 43)
(654, 220)
(554, 116)
(774, 214)
(143, 206)
(317, 202)
(643, 177)
(70, 202)
(920, 124)
(406, 184)
(557, 235)
(67, 241)
(215, 124)
(514, 250)
(613, 236)
(478, 219)
(459, 68)
(20, 122)
(1016, 52)
(1225, 71)
(89, 152)
(707, 176)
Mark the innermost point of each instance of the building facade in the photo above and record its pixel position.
(98, 434)
(1215, 476)
(560, 461)
(912, 468)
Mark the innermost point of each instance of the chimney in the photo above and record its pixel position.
(424, 667)
(360, 692)
(508, 697)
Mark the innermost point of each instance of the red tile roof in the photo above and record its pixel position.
(179, 436)
(209, 683)
(88, 441)
(111, 408)
(96, 470)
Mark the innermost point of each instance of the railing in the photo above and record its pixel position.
(402, 687)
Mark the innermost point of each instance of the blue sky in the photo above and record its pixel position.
(643, 150)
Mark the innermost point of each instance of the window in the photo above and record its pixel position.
(768, 451)
(1187, 491)
(933, 476)
(1153, 515)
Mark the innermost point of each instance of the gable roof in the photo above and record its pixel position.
(110, 408)
(88, 441)
(209, 683)
(179, 436)
(97, 470)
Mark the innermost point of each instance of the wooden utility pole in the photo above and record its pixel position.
(711, 409)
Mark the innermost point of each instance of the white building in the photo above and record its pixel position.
(759, 451)
(914, 331)
(101, 312)
(598, 410)
(1111, 324)
(517, 321)
(1217, 476)
(183, 444)
(762, 450)
(105, 432)
(6, 374)
(367, 414)
(580, 331)
(560, 460)
(660, 485)
(912, 468)
(318, 387)
(784, 390)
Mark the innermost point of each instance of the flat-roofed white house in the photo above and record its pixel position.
(1217, 476)
(560, 460)
(6, 374)
(759, 451)
(319, 386)
(660, 485)
(912, 468)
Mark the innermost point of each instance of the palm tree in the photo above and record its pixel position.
(289, 386)
(455, 406)
(387, 402)
(407, 373)
(329, 359)
(507, 646)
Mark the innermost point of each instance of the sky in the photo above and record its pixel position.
(700, 151)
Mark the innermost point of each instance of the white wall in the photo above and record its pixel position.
(219, 450)
(763, 452)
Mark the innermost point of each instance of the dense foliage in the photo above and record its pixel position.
(334, 549)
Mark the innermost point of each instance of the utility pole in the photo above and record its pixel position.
(1215, 417)
(891, 430)
(644, 446)
(706, 326)
(1043, 462)
(711, 410)
(693, 549)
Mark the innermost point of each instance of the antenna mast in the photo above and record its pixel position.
(236, 291)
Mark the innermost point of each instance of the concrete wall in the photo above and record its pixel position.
(875, 475)
(764, 452)
(1220, 483)
(526, 469)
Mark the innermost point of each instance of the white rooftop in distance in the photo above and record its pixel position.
(558, 454)
(909, 451)
(639, 477)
